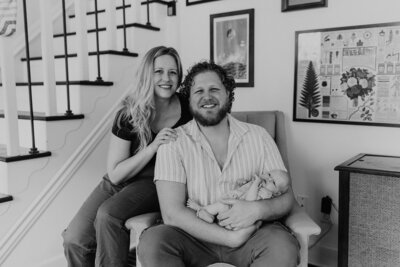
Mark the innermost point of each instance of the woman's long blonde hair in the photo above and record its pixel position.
(138, 107)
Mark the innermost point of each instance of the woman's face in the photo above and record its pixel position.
(165, 76)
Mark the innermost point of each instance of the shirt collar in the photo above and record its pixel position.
(237, 128)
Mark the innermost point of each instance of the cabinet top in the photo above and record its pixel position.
(373, 164)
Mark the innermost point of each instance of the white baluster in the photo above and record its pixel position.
(136, 12)
(136, 8)
(49, 79)
(172, 31)
(111, 25)
(10, 95)
(81, 38)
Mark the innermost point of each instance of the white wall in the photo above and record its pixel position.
(314, 148)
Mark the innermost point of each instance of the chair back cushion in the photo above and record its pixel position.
(273, 122)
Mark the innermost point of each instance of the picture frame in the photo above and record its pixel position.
(348, 75)
(195, 2)
(232, 44)
(291, 5)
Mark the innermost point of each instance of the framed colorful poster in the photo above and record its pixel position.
(232, 44)
(348, 75)
(289, 5)
(195, 2)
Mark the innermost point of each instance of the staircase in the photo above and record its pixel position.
(72, 113)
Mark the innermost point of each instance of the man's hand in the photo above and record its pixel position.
(241, 214)
(205, 216)
(239, 237)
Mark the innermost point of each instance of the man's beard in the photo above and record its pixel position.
(210, 120)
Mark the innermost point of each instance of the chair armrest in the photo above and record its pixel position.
(303, 226)
(136, 225)
(301, 223)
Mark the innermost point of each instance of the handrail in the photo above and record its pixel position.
(33, 149)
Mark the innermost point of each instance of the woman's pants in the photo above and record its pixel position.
(97, 235)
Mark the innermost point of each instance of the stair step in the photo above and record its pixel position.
(41, 116)
(94, 83)
(128, 25)
(155, 1)
(5, 198)
(24, 155)
(100, 11)
(104, 52)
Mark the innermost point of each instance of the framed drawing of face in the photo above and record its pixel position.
(232, 44)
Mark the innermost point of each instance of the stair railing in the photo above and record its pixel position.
(96, 16)
(148, 13)
(68, 112)
(125, 49)
(33, 149)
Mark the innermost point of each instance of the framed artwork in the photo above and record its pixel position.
(195, 2)
(290, 5)
(348, 75)
(232, 44)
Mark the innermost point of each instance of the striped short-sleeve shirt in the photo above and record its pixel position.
(190, 160)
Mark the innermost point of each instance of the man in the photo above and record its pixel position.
(214, 154)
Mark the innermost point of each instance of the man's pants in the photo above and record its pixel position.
(97, 234)
(271, 246)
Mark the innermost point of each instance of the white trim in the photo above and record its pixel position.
(34, 28)
(56, 184)
(58, 261)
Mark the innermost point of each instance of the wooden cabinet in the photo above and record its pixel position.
(369, 211)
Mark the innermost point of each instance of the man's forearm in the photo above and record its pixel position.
(186, 219)
(275, 208)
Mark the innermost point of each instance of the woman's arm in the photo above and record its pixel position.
(122, 166)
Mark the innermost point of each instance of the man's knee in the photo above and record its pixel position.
(280, 244)
(155, 241)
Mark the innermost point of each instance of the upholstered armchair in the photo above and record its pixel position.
(300, 223)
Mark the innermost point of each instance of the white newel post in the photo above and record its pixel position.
(10, 95)
(81, 37)
(49, 76)
(111, 25)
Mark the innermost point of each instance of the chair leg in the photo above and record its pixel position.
(132, 258)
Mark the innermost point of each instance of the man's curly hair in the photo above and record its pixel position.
(205, 66)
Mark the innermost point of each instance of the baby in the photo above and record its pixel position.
(266, 186)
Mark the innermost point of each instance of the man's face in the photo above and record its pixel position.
(209, 99)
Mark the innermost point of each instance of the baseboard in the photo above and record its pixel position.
(322, 257)
(57, 261)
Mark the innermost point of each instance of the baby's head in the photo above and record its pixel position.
(281, 180)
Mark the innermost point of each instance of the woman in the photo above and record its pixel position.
(97, 235)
